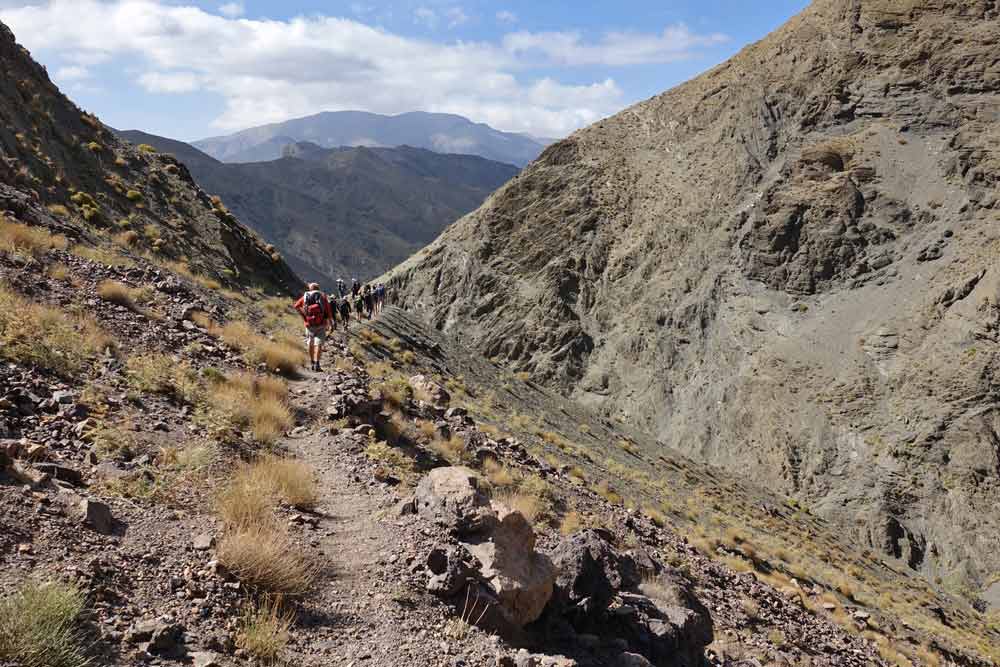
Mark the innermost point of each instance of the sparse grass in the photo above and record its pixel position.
(117, 293)
(292, 480)
(128, 239)
(497, 474)
(263, 631)
(101, 256)
(530, 506)
(571, 523)
(656, 516)
(282, 355)
(395, 391)
(244, 400)
(33, 242)
(382, 452)
(48, 337)
(451, 450)
(159, 374)
(38, 626)
(112, 440)
(58, 271)
(58, 210)
(266, 558)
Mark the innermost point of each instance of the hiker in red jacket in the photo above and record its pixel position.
(315, 310)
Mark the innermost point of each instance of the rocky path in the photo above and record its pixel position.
(364, 612)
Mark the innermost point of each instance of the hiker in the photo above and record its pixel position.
(341, 288)
(345, 311)
(359, 305)
(369, 300)
(355, 288)
(379, 297)
(315, 310)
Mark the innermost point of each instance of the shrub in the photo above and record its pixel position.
(48, 337)
(270, 418)
(28, 241)
(395, 391)
(128, 238)
(146, 148)
(266, 558)
(120, 161)
(133, 195)
(263, 631)
(38, 626)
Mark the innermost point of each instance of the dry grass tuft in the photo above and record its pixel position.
(38, 626)
(263, 631)
(531, 507)
(283, 355)
(159, 374)
(571, 523)
(451, 450)
(246, 401)
(266, 558)
(497, 474)
(115, 292)
(27, 241)
(47, 337)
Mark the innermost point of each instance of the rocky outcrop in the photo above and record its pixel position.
(494, 571)
(784, 267)
(600, 593)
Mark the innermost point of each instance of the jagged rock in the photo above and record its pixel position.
(205, 659)
(452, 496)
(451, 568)
(520, 578)
(435, 393)
(97, 515)
(161, 638)
(61, 472)
(591, 572)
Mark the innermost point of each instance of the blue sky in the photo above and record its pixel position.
(195, 69)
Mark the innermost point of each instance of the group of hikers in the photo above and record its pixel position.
(321, 312)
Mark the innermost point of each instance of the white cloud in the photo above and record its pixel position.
(505, 16)
(271, 70)
(456, 17)
(71, 73)
(676, 42)
(425, 16)
(232, 9)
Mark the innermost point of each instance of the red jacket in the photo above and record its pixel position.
(327, 311)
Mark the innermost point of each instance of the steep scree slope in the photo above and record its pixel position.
(345, 212)
(51, 153)
(785, 267)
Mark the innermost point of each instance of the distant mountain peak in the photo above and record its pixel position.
(438, 132)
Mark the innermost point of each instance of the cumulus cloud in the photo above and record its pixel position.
(676, 42)
(272, 70)
(71, 73)
(505, 16)
(232, 9)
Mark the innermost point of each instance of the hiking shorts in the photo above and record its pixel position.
(317, 334)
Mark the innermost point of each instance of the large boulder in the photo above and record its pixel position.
(493, 575)
(599, 592)
(520, 578)
(591, 572)
(452, 496)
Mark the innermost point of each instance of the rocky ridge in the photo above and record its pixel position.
(783, 267)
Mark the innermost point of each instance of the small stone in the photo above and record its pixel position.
(98, 515)
(205, 659)
(203, 542)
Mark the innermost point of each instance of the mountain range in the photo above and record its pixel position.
(784, 267)
(442, 133)
(344, 212)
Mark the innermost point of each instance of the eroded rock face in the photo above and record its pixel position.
(452, 496)
(710, 266)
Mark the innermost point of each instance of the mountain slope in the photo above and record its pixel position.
(442, 133)
(340, 213)
(97, 185)
(784, 267)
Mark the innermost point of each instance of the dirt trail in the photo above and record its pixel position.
(359, 614)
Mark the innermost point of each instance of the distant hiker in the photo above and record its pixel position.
(359, 305)
(379, 297)
(369, 300)
(341, 288)
(355, 288)
(345, 311)
(315, 310)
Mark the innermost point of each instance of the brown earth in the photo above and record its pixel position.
(784, 267)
